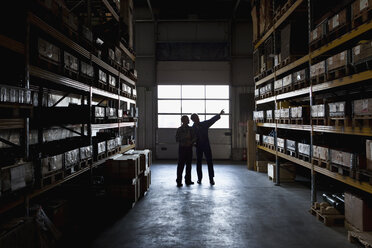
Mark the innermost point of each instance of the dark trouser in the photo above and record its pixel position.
(184, 157)
(208, 156)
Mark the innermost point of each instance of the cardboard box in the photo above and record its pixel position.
(71, 158)
(280, 143)
(277, 114)
(278, 84)
(304, 149)
(317, 69)
(360, 6)
(358, 212)
(70, 62)
(362, 52)
(294, 39)
(337, 61)
(86, 152)
(319, 32)
(102, 77)
(337, 21)
(258, 137)
(16, 177)
(287, 172)
(269, 88)
(256, 62)
(48, 51)
(125, 167)
(269, 114)
(337, 109)
(287, 80)
(293, 112)
(320, 152)
(261, 166)
(290, 145)
(262, 91)
(318, 111)
(267, 139)
(362, 107)
(256, 93)
(369, 154)
(128, 192)
(284, 113)
(300, 76)
(342, 158)
(52, 163)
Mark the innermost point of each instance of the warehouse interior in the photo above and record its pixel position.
(95, 150)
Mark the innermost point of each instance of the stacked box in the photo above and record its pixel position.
(293, 112)
(269, 114)
(287, 80)
(125, 167)
(362, 52)
(118, 56)
(101, 147)
(318, 69)
(87, 69)
(262, 63)
(256, 93)
(318, 111)
(300, 76)
(277, 114)
(255, 21)
(269, 52)
(269, 88)
(16, 177)
(280, 143)
(337, 21)
(320, 152)
(256, 62)
(286, 173)
(369, 154)
(358, 212)
(261, 166)
(342, 158)
(362, 107)
(262, 91)
(258, 138)
(267, 139)
(258, 115)
(48, 51)
(71, 158)
(278, 84)
(304, 149)
(125, 191)
(102, 77)
(145, 158)
(337, 109)
(360, 6)
(111, 144)
(290, 145)
(284, 113)
(112, 81)
(294, 39)
(86, 152)
(99, 112)
(70, 62)
(111, 113)
(337, 61)
(50, 164)
(319, 32)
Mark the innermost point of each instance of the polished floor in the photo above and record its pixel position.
(243, 209)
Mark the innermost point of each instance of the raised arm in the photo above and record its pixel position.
(215, 118)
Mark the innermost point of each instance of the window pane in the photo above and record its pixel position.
(217, 91)
(169, 106)
(169, 91)
(193, 106)
(193, 91)
(215, 106)
(169, 121)
(221, 123)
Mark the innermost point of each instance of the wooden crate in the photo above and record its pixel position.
(123, 167)
(287, 172)
(261, 166)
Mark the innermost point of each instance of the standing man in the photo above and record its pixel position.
(185, 136)
(203, 146)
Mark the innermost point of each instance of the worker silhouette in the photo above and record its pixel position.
(203, 146)
(185, 136)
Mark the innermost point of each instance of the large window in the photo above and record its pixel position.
(204, 100)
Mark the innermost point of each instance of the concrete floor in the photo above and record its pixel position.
(243, 209)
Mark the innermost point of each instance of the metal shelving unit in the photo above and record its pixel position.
(43, 80)
(307, 94)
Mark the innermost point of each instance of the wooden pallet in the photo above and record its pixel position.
(362, 238)
(342, 170)
(291, 153)
(286, 88)
(338, 73)
(113, 151)
(284, 121)
(318, 79)
(363, 17)
(321, 163)
(72, 169)
(363, 65)
(338, 32)
(112, 89)
(266, 95)
(304, 157)
(328, 219)
(363, 122)
(316, 44)
(280, 149)
(297, 121)
(101, 156)
(319, 121)
(50, 178)
(300, 84)
(286, 6)
(272, 147)
(344, 122)
(271, 120)
(86, 162)
(364, 176)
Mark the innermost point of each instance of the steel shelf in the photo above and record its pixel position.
(341, 40)
(12, 124)
(287, 157)
(11, 44)
(279, 22)
(365, 186)
(131, 55)
(113, 125)
(20, 200)
(286, 126)
(293, 65)
(265, 79)
(342, 130)
(111, 9)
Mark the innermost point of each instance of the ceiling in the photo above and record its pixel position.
(195, 9)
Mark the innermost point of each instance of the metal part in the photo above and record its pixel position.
(71, 130)
(8, 142)
(60, 100)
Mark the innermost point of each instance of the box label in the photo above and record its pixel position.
(335, 21)
(342, 56)
(357, 50)
(330, 60)
(315, 34)
(365, 105)
(363, 4)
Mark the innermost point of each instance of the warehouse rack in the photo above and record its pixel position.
(307, 95)
(41, 80)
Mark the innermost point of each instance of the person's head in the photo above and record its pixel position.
(195, 118)
(185, 120)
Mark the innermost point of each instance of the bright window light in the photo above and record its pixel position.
(221, 123)
(217, 91)
(169, 106)
(193, 91)
(193, 106)
(169, 121)
(215, 106)
(169, 91)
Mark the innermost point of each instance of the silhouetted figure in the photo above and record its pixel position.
(203, 146)
(185, 136)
